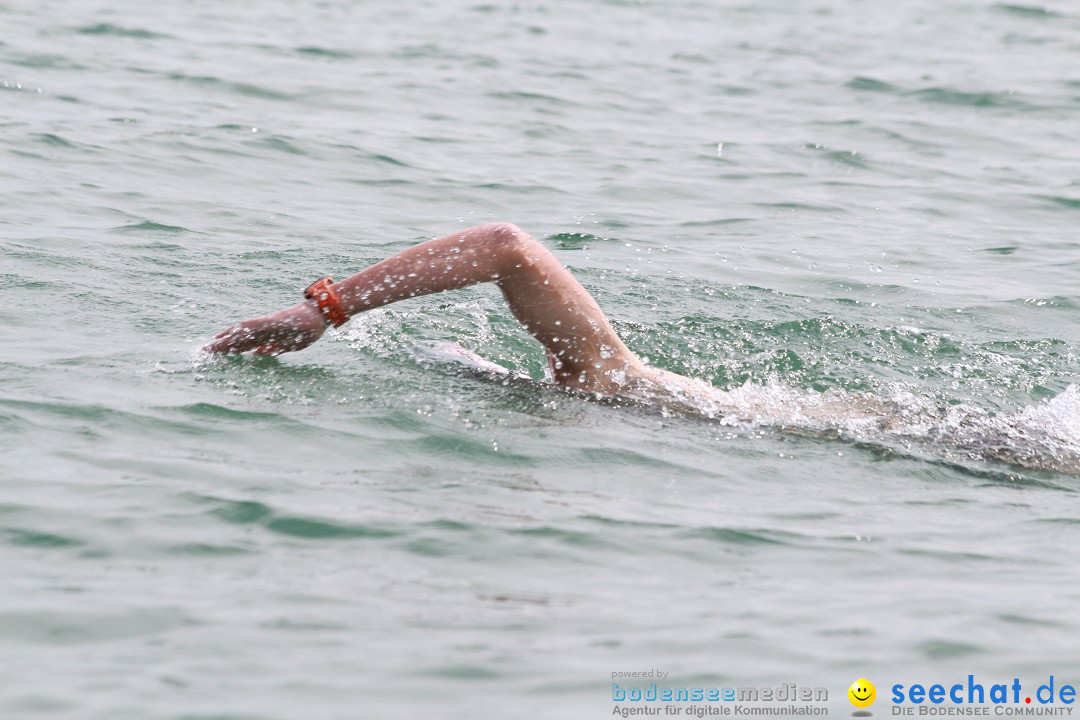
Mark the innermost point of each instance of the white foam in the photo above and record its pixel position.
(1059, 416)
(1044, 436)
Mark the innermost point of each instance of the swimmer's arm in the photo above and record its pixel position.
(548, 301)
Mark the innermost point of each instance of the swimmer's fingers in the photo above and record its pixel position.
(253, 336)
(283, 342)
(236, 339)
(285, 331)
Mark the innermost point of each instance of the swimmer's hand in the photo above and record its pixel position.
(284, 331)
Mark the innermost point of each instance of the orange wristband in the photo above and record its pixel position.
(328, 300)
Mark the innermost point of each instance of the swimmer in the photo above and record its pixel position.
(585, 353)
(583, 350)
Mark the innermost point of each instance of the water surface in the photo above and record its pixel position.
(869, 197)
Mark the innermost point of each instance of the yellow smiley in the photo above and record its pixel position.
(862, 693)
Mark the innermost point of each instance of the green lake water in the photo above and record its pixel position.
(781, 197)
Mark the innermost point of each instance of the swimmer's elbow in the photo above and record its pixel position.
(507, 234)
(513, 247)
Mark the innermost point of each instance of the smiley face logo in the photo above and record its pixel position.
(862, 693)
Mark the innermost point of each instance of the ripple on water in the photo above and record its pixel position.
(110, 30)
(1027, 11)
(37, 539)
(742, 536)
(324, 52)
(1070, 203)
(211, 82)
(574, 240)
(966, 98)
(945, 649)
(869, 84)
(78, 628)
(54, 140)
(245, 512)
(150, 227)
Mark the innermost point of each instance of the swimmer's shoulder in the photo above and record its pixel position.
(673, 390)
